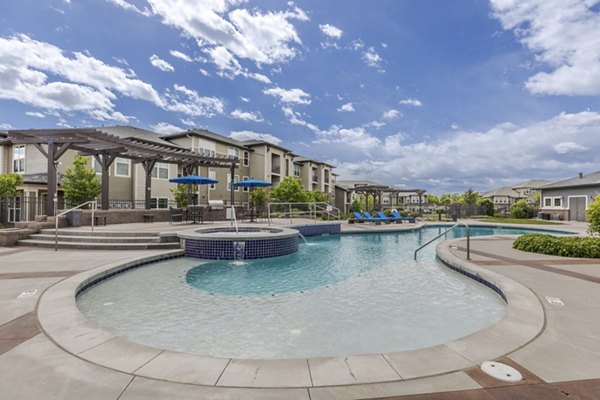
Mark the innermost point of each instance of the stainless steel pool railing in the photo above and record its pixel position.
(94, 204)
(445, 233)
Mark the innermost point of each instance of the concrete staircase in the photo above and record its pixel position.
(85, 240)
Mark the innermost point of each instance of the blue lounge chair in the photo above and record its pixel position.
(363, 218)
(382, 215)
(385, 219)
(396, 214)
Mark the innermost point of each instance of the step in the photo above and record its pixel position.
(98, 246)
(70, 232)
(97, 239)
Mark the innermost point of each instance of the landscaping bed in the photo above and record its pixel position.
(564, 246)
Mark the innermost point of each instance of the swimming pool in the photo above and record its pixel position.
(338, 295)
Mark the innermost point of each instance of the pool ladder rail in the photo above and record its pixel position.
(445, 233)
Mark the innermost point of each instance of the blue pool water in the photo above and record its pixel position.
(339, 295)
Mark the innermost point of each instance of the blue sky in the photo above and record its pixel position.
(441, 95)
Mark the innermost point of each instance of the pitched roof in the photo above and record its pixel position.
(503, 191)
(301, 160)
(532, 183)
(257, 142)
(581, 180)
(205, 134)
(349, 185)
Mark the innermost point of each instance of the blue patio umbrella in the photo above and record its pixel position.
(193, 180)
(252, 183)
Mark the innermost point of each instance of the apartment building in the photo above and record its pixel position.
(127, 178)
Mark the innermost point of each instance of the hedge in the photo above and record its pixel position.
(564, 246)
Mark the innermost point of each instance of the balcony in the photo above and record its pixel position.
(276, 169)
(326, 179)
(315, 179)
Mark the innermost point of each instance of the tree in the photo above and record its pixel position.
(593, 216)
(470, 197)
(433, 199)
(521, 210)
(180, 193)
(290, 190)
(317, 196)
(9, 183)
(258, 197)
(355, 206)
(80, 184)
(536, 199)
(488, 204)
(449, 198)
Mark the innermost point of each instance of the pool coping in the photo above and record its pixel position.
(67, 327)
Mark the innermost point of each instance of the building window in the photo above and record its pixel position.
(558, 202)
(19, 158)
(547, 201)
(159, 202)
(246, 158)
(297, 170)
(245, 189)
(228, 182)
(123, 167)
(179, 171)
(212, 175)
(160, 171)
(232, 151)
(237, 179)
(96, 166)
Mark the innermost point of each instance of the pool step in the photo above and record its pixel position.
(86, 240)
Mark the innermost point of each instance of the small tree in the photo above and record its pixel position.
(9, 183)
(355, 206)
(180, 193)
(593, 216)
(317, 196)
(80, 184)
(290, 190)
(488, 205)
(521, 210)
(470, 197)
(258, 197)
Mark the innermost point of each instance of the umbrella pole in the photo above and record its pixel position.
(251, 205)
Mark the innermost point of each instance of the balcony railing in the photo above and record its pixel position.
(276, 169)
(326, 179)
(315, 179)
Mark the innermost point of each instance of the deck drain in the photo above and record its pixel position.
(501, 371)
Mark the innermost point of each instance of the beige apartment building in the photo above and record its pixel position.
(257, 159)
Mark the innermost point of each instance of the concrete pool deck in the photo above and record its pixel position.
(36, 363)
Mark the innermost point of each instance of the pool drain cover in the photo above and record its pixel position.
(501, 371)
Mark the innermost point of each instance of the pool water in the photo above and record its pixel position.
(338, 295)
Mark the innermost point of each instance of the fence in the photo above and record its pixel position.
(27, 208)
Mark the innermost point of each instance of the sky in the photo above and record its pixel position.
(439, 95)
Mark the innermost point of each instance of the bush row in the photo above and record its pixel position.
(565, 246)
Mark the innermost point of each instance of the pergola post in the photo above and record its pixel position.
(105, 161)
(52, 179)
(148, 165)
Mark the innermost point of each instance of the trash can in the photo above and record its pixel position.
(74, 218)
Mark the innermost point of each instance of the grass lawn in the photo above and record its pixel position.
(519, 221)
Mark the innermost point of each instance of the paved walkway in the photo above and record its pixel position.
(563, 362)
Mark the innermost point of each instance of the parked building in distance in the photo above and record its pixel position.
(506, 196)
(569, 199)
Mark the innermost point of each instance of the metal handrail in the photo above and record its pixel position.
(94, 204)
(445, 233)
(314, 208)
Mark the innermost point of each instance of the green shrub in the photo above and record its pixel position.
(564, 246)
(593, 216)
(521, 210)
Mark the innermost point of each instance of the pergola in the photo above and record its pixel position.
(105, 148)
(378, 190)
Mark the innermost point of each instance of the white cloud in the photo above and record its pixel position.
(353, 137)
(505, 152)
(391, 114)
(161, 64)
(189, 102)
(188, 122)
(165, 128)
(564, 35)
(263, 38)
(411, 102)
(245, 99)
(6, 126)
(204, 72)
(35, 114)
(229, 67)
(372, 59)
(356, 45)
(129, 7)
(296, 119)
(568, 147)
(348, 107)
(247, 115)
(180, 55)
(296, 96)
(41, 75)
(250, 135)
(331, 31)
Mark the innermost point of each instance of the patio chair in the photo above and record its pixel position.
(396, 214)
(176, 214)
(367, 218)
(382, 215)
(385, 218)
